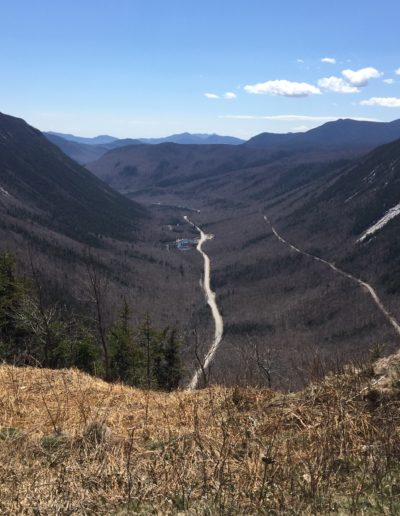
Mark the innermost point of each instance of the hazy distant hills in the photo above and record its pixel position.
(341, 133)
(86, 150)
(80, 152)
(173, 167)
(183, 138)
(41, 183)
(96, 140)
(195, 139)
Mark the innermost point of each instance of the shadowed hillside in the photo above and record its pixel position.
(73, 236)
(41, 181)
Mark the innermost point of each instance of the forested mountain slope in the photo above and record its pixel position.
(71, 233)
(37, 177)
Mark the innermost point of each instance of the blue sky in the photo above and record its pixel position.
(151, 68)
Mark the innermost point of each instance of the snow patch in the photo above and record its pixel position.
(351, 197)
(389, 215)
(371, 176)
(4, 191)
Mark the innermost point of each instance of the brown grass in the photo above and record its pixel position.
(72, 444)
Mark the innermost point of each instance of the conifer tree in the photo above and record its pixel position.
(11, 294)
(125, 356)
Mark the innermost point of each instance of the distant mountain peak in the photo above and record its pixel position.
(96, 140)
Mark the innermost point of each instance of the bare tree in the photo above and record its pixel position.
(200, 361)
(44, 317)
(264, 361)
(98, 288)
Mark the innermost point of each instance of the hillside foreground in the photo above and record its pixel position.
(73, 444)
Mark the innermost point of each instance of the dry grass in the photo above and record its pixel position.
(72, 444)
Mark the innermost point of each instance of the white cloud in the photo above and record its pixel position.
(229, 95)
(283, 88)
(211, 95)
(360, 78)
(330, 60)
(388, 81)
(296, 118)
(337, 84)
(382, 101)
(300, 61)
(397, 72)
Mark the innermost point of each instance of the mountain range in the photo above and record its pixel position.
(195, 139)
(85, 150)
(341, 135)
(182, 138)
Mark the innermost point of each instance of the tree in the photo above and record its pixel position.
(161, 357)
(11, 295)
(147, 339)
(97, 289)
(34, 328)
(125, 356)
(84, 352)
(171, 367)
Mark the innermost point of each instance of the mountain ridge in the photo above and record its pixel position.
(37, 174)
(182, 138)
(341, 133)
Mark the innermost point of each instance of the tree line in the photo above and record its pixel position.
(34, 331)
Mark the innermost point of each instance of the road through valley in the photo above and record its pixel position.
(212, 303)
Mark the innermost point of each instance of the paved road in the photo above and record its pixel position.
(212, 303)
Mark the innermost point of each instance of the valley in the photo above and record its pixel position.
(275, 328)
(199, 258)
(270, 298)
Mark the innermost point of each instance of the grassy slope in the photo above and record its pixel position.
(70, 443)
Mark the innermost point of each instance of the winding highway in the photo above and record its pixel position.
(366, 286)
(212, 303)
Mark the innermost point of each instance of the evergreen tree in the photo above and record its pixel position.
(148, 344)
(11, 295)
(172, 361)
(84, 353)
(32, 329)
(124, 353)
(167, 364)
